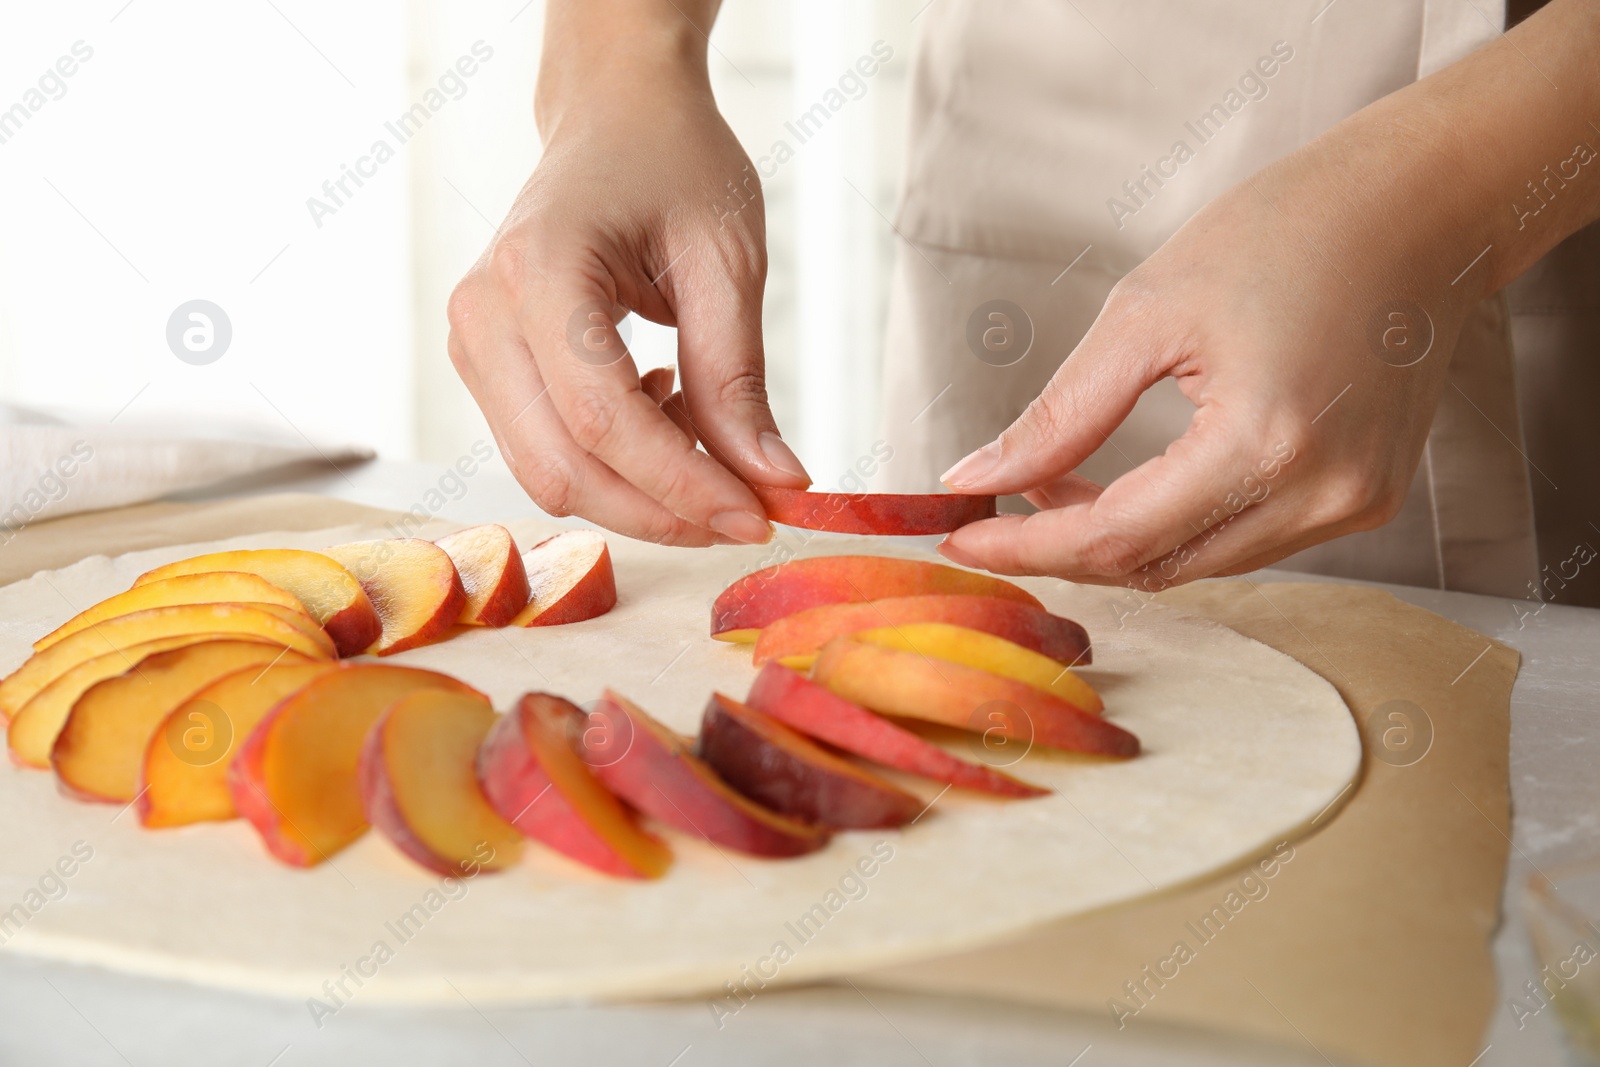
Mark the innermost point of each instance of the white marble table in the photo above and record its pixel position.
(56, 1014)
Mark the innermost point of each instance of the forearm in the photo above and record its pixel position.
(591, 44)
(1419, 184)
(1525, 112)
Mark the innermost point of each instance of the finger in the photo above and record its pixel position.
(718, 307)
(657, 383)
(678, 412)
(1200, 481)
(596, 390)
(1064, 491)
(558, 475)
(1219, 548)
(1258, 536)
(1088, 397)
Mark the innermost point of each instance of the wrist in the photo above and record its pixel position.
(1517, 158)
(610, 52)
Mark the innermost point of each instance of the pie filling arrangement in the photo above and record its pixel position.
(251, 684)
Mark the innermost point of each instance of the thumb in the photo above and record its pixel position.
(1086, 399)
(723, 367)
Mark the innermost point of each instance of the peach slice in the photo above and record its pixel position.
(124, 631)
(905, 514)
(791, 774)
(185, 775)
(765, 596)
(912, 685)
(98, 753)
(957, 644)
(820, 713)
(651, 768)
(794, 640)
(412, 583)
(491, 572)
(303, 622)
(328, 591)
(33, 732)
(532, 775)
(294, 777)
(220, 587)
(420, 788)
(570, 579)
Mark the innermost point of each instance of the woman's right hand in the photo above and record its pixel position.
(643, 201)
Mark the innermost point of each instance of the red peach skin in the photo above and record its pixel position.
(569, 580)
(420, 789)
(795, 639)
(765, 596)
(412, 583)
(491, 570)
(533, 776)
(911, 685)
(294, 778)
(793, 775)
(651, 768)
(893, 514)
(812, 709)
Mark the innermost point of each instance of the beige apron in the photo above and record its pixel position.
(1027, 118)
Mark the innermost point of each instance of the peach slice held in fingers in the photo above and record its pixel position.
(826, 716)
(762, 597)
(412, 583)
(420, 788)
(295, 776)
(33, 731)
(793, 775)
(124, 631)
(569, 578)
(100, 749)
(491, 572)
(219, 587)
(957, 644)
(329, 592)
(651, 768)
(912, 685)
(532, 774)
(903, 514)
(794, 639)
(185, 774)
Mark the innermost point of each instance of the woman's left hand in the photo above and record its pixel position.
(1310, 314)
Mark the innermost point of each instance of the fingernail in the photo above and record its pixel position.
(956, 555)
(746, 527)
(973, 468)
(779, 455)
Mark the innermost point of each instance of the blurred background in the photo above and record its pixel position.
(176, 164)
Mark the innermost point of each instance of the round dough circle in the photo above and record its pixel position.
(1244, 747)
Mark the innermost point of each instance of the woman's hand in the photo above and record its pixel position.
(642, 201)
(1310, 314)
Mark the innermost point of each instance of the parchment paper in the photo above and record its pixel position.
(1373, 942)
